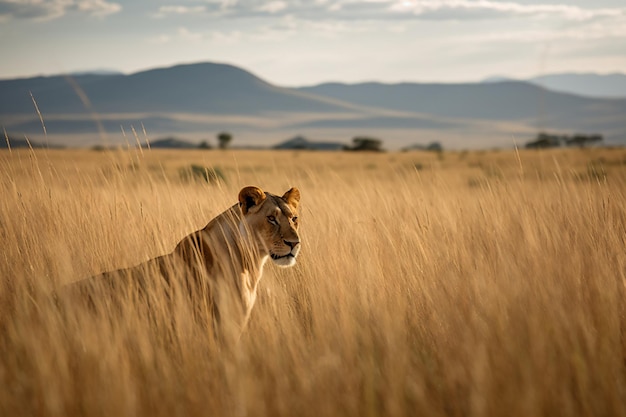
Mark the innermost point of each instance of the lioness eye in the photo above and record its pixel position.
(271, 219)
(294, 219)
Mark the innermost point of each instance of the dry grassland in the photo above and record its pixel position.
(464, 284)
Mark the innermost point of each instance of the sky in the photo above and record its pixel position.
(300, 43)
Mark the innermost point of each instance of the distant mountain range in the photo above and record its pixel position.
(583, 84)
(452, 106)
(504, 100)
(205, 98)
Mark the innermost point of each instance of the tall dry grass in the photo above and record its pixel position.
(464, 284)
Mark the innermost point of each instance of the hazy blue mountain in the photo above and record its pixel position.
(502, 101)
(582, 84)
(196, 88)
(56, 93)
(591, 85)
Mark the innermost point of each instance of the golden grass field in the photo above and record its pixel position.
(459, 284)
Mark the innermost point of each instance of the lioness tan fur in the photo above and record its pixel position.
(219, 265)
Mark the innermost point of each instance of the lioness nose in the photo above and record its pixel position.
(291, 244)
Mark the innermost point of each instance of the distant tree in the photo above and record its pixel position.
(431, 147)
(583, 140)
(435, 147)
(224, 139)
(362, 143)
(205, 145)
(545, 140)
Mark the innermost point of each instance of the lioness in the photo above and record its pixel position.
(218, 266)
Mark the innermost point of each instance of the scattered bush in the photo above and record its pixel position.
(361, 143)
(202, 174)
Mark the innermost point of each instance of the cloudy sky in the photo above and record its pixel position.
(297, 42)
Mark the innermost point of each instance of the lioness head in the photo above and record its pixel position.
(275, 221)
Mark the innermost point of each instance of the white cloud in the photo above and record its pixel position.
(224, 4)
(179, 10)
(275, 22)
(160, 39)
(292, 24)
(223, 38)
(330, 18)
(97, 7)
(377, 10)
(187, 35)
(52, 9)
(458, 9)
(273, 7)
(591, 32)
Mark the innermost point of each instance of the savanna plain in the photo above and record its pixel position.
(453, 284)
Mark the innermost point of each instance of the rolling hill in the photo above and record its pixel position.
(581, 84)
(504, 100)
(590, 85)
(193, 88)
(206, 97)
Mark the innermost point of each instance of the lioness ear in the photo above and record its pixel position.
(292, 197)
(250, 197)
